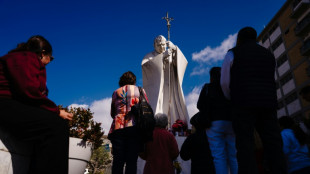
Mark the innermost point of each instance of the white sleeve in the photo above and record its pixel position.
(225, 73)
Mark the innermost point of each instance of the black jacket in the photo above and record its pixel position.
(196, 148)
(212, 103)
(252, 77)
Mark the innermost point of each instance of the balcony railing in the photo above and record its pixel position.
(303, 26)
(305, 49)
(299, 7)
(295, 3)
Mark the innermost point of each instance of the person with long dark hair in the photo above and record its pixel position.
(294, 146)
(27, 113)
(123, 133)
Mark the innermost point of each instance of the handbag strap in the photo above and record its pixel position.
(141, 97)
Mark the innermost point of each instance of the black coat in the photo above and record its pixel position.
(196, 148)
(252, 83)
(213, 105)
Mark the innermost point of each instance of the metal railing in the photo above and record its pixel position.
(305, 47)
(302, 24)
(295, 3)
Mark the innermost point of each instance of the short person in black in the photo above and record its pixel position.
(196, 148)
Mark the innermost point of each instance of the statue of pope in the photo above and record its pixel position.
(163, 71)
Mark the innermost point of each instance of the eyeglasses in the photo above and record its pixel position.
(50, 55)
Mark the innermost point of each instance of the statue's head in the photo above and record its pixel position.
(160, 44)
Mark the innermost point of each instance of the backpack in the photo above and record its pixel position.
(144, 118)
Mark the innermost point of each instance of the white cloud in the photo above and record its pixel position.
(191, 101)
(215, 54)
(208, 55)
(200, 70)
(101, 110)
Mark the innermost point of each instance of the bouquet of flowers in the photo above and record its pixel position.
(179, 126)
(177, 167)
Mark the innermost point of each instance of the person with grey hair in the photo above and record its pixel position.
(161, 120)
(160, 153)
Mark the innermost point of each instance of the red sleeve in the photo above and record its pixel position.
(174, 150)
(28, 80)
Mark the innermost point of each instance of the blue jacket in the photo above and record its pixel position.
(297, 155)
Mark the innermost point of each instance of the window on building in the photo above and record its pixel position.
(295, 3)
(298, 118)
(264, 38)
(277, 44)
(281, 60)
(291, 98)
(274, 27)
(280, 105)
(277, 85)
(306, 46)
(302, 24)
(308, 71)
(286, 78)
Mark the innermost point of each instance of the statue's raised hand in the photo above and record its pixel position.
(170, 45)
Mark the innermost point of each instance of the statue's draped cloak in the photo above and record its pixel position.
(155, 74)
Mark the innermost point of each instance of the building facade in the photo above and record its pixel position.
(287, 37)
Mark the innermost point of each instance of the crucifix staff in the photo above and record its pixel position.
(170, 57)
(168, 24)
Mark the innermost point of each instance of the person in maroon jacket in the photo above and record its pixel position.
(27, 113)
(160, 152)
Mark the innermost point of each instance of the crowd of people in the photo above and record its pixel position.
(236, 128)
(237, 115)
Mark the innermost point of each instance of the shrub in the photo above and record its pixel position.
(83, 126)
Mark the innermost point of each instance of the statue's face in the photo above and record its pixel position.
(160, 45)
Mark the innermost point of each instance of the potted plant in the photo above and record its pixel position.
(85, 136)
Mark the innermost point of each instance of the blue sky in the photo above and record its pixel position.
(95, 42)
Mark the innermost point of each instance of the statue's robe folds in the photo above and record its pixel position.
(156, 84)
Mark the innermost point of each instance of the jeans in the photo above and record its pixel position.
(222, 145)
(125, 149)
